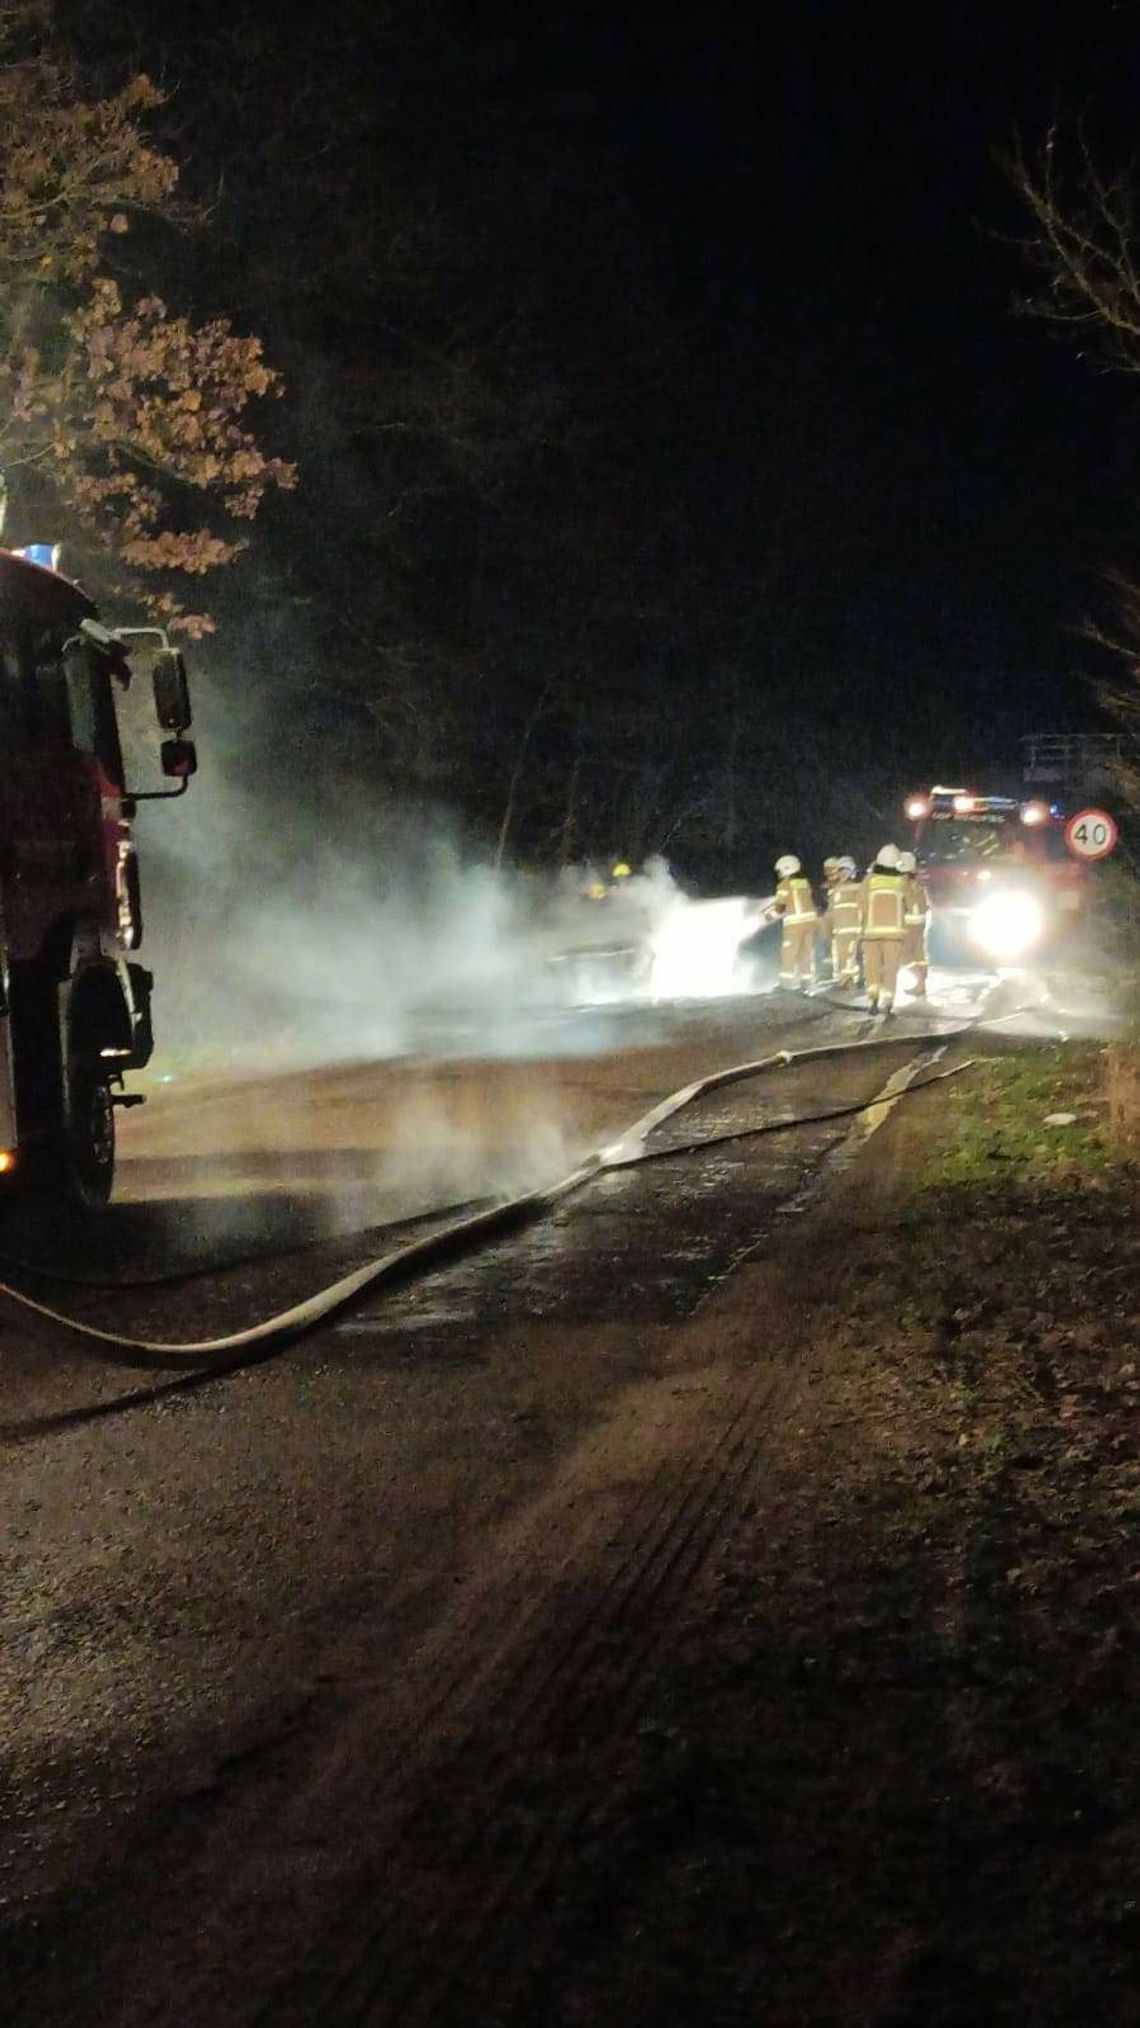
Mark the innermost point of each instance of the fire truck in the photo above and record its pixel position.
(92, 721)
(1002, 883)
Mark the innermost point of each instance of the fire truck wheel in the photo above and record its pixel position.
(89, 1150)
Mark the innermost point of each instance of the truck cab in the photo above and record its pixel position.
(91, 720)
(1003, 886)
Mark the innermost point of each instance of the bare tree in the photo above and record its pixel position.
(1083, 246)
(1085, 249)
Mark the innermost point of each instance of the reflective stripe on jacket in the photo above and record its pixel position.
(845, 906)
(884, 901)
(794, 900)
(917, 901)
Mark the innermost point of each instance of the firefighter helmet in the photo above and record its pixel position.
(621, 871)
(831, 868)
(888, 857)
(788, 865)
(847, 867)
(907, 862)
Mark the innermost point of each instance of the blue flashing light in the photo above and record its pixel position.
(46, 554)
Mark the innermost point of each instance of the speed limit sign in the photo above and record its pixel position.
(1091, 834)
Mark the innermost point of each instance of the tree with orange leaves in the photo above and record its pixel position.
(122, 426)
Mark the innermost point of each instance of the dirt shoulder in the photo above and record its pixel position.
(889, 1772)
(874, 1760)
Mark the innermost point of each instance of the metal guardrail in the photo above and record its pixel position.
(1076, 759)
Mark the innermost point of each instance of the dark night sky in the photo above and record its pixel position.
(770, 249)
(820, 187)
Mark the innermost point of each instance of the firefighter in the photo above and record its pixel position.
(844, 921)
(794, 904)
(883, 927)
(823, 932)
(916, 917)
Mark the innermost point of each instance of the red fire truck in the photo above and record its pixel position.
(1002, 883)
(91, 721)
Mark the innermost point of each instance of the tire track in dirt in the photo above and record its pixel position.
(406, 1971)
(542, 1671)
(588, 1700)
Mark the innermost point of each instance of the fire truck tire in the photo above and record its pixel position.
(88, 1144)
(72, 1168)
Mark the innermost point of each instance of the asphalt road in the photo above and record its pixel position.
(241, 1615)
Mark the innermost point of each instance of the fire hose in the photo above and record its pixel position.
(460, 1235)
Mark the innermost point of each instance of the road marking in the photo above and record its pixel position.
(882, 1106)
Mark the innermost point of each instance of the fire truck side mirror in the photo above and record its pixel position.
(179, 758)
(171, 698)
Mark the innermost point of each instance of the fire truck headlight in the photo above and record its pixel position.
(1007, 926)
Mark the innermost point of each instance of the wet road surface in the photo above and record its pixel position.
(209, 1590)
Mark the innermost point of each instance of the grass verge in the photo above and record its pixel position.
(888, 1773)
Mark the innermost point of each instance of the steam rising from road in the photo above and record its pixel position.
(325, 929)
(286, 937)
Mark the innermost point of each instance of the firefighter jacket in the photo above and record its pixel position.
(884, 904)
(916, 903)
(793, 901)
(844, 908)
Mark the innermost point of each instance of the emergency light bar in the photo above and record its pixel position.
(942, 801)
(947, 802)
(46, 554)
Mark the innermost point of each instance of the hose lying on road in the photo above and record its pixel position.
(273, 1332)
(778, 1126)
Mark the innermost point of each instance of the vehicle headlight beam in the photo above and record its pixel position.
(1008, 925)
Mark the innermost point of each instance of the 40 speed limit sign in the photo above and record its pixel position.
(1091, 834)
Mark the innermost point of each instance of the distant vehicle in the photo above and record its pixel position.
(597, 932)
(91, 721)
(1002, 884)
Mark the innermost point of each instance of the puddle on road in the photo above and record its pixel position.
(646, 1244)
(433, 1319)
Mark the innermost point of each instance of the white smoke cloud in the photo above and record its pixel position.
(307, 930)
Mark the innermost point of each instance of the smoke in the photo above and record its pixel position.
(309, 949)
(357, 940)
(301, 921)
(370, 1142)
(308, 926)
(286, 929)
(699, 948)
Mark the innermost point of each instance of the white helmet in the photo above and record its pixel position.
(888, 856)
(847, 867)
(907, 862)
(788, 865)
